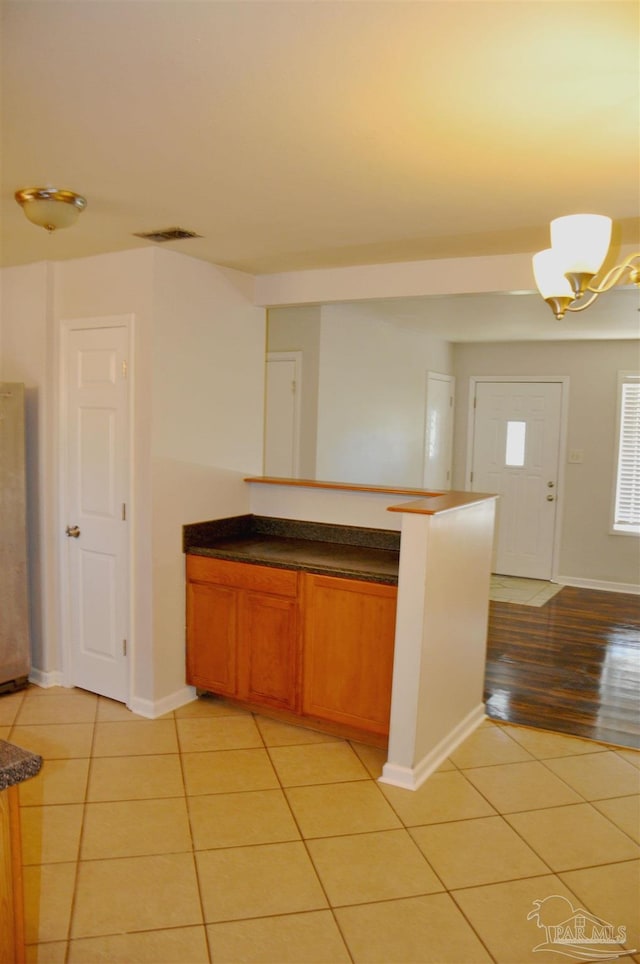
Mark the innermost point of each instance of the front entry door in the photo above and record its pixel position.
(516, 443)
(97, 474)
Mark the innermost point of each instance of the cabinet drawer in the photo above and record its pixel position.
(242, 575)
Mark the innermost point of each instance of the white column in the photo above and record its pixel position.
(441, 636)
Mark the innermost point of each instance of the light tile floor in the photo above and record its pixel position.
(216, 835)
(525, 592)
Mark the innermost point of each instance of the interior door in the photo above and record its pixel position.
(282, 415)
(438, 431)
(97, 474)
(516, 443)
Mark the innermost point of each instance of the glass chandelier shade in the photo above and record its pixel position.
(581, 241)
(567, 270)
(549, 275)
(49, 207)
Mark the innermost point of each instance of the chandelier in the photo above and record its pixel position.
(567, 271)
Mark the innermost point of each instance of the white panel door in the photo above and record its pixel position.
(282, 415)
(97, 458)
(438, 431)
(516, 454)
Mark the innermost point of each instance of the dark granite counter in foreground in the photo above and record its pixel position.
(17, 764)
(350, 552)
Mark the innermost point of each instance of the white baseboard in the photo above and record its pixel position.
(630, 587)
(411, 778)
(154, 708)
(148, 708)
(46, 679)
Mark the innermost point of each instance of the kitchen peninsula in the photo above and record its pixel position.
(370, 616)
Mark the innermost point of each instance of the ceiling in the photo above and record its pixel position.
(305, 134)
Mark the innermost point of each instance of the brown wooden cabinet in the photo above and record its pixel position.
(320, 647)
(349, 630)
(242, 631)
(212, 634)
(12, 946)
(269, 649)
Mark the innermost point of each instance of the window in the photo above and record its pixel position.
(626, 516)
(516, 433)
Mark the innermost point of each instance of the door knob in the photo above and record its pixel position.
(549, 485)
(550, 498)
(73, 531)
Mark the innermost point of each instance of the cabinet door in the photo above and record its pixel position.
(268, 650)
(11, 893)
(212, 617)
(349, 632)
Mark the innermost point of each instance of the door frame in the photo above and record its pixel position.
(563, 381)
(451, 379)
(67, 325)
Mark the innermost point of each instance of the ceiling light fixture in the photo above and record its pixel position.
(566, 270)
(50, 208)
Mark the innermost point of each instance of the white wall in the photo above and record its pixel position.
(207, 427)
(369, 509)
(298, 329)
(198, 368)
(199, 347)
(588, 551)
(105, 286)
(371, 404)
(405, 279)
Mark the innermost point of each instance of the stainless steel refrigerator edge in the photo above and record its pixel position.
(15, 650)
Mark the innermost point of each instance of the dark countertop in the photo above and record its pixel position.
(17, 764)
(350, 552)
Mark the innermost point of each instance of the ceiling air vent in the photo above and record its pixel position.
(167, 234)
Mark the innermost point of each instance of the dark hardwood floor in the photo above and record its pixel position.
(572, 665)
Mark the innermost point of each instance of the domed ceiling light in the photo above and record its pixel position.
(49, 207)
(567, 270)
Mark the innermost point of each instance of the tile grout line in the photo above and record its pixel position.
(445, 889)
(371, 777)
(304, 842)
(193, 845)
(584, 800)
(555, 873)
(591, 803)
(80, 839)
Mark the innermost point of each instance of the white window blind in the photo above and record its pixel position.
(627, 502)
